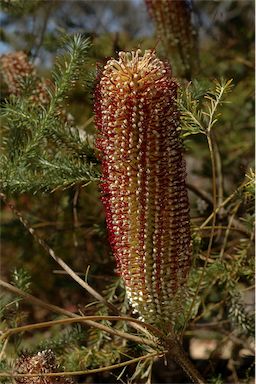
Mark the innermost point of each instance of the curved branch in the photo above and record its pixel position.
(89, 320)
(86, 372)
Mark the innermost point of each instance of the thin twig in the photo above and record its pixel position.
(43, 30)
(225, 202)
(211, 324)
(75, 317)
(216, 305)
(87, 320)
(237, 340)
(232, 366)
(86, 372)
(233, 228)
(4, 348)
(248, 288)
(88, 122)
(214, 199)
(75, 214)
(202, 194)
(219, 176)
(228, 230)
(36, 301)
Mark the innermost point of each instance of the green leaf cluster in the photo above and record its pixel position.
(42, 148)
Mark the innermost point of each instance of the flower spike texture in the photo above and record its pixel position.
(143, 182)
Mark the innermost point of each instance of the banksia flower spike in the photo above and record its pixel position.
(143, 182)
(175, 30)
(15, 67)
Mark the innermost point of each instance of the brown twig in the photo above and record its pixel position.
(4, 348)
(214, 199)
(75, 214)
(200, 193)
(236, 228)
(228, 230)
(86, 372)
(43, 30)
(36, 301)
(177, 353)
(89, 320)
(225, 202)
(219, 176)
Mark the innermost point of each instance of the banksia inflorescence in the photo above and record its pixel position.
(40, 363)
(173, 21)
(143, 182)
(15, 68)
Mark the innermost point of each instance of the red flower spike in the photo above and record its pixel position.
(143, 181)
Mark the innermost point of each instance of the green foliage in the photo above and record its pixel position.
(200, 108)
(5, 366)
(64, 340)
(143, 371)
(34, 132)
(238, 314)
(115, 294)
(66, 71)
(83, 358)
(10, 312)
(216, 380)
(21, 279)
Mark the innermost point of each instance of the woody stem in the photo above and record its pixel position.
(177, 353)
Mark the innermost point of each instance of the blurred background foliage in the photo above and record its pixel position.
(72, 219)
